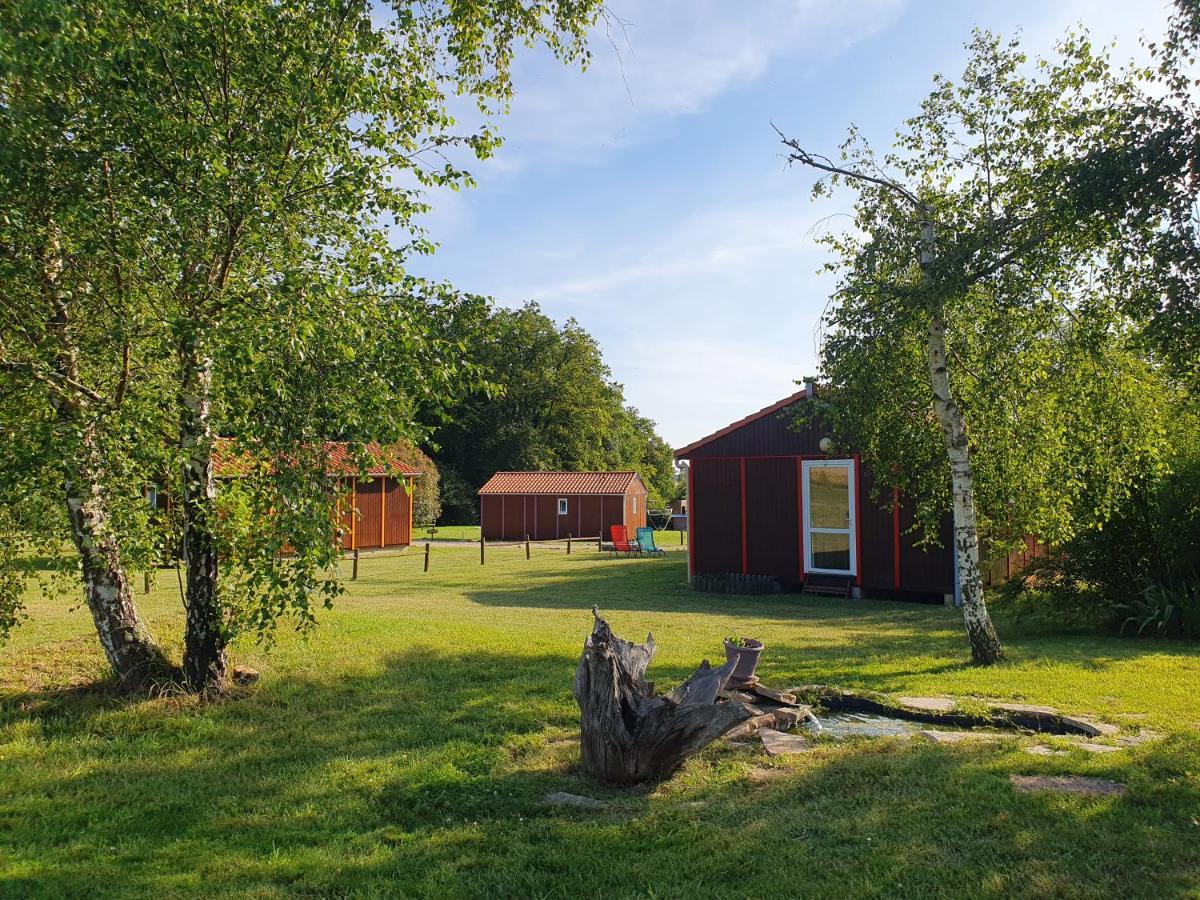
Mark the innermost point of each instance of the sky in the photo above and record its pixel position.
(648, 196)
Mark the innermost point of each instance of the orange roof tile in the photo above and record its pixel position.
(228, 461)
(561, 483)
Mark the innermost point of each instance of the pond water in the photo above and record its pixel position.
(854, 724)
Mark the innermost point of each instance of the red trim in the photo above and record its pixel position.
(800, 515)
(745, 543)
(777, 456)
(858, 565)
(762, 413)
(691, 522)
(895, 539)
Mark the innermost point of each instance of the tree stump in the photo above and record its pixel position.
(629, 735)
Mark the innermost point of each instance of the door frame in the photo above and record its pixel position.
(851, 467)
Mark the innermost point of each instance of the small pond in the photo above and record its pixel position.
(845, 724)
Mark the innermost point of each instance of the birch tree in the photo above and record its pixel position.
(984, 230)
(272, 158)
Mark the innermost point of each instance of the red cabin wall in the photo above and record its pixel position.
(753, 472)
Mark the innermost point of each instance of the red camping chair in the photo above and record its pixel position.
(621, 542)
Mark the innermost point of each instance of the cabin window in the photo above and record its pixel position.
(829, 527)
(635, 506)
(562, 506)
(152, 496)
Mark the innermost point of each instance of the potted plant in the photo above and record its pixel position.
(744, 652)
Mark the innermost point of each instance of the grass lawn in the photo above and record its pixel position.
(447, 533)
(403, 749)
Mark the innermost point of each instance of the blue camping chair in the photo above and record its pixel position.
(645, 539)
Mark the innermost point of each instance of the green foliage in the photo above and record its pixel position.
(1062, 410)
(1165, 610)
(551, 403)
(1150, 545)
(203, 190)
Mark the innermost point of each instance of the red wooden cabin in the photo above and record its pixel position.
(550, 505)
(765, 500)
(378, 506)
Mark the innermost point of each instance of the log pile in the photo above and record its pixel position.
(630, 735)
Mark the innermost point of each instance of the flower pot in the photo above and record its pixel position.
(746, 658)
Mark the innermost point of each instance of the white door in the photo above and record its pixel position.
(829, 544)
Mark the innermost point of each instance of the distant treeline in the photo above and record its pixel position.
(544, 399)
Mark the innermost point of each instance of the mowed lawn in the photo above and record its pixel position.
(404, 747)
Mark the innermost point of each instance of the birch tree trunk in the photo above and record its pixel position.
(204, 657)
(985, 643)
(135, 658)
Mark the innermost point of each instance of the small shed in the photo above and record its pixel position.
(550, 505)
(765, 500)
(377, 505)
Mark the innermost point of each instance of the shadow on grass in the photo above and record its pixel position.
(424, 777)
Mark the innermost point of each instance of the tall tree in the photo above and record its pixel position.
(79, 357)
(980, 233)
(263, 150)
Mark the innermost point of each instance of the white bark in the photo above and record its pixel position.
(985, 644)
(204, 659)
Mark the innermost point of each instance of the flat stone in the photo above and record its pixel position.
(1067, 784)
(788, 718)
(562, 798)
(1091, 727)
(777, 743)
(957, 737)
(928, 704)
(1140, 738)
(1026, 708)
(1097, 748)
(1043, 750)
(778, 696)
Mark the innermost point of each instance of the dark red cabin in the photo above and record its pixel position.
(765, 500)
(550, 505)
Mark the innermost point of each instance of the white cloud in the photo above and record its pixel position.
(669, 58)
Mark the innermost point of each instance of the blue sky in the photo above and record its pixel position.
(647, 197)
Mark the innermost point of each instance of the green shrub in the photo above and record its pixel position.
(1165, 610)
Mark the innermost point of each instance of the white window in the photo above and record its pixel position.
(635, 506)
(562, 506)
(829, 504)
(152, 496)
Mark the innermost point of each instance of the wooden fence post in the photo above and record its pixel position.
(568, 543)
(527, 546)
(600, 542)
(146, 582)
(354, 570)
(482, 544)
(427, 556)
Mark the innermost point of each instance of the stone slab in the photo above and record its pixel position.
(783, 697)
(1097, 748)
(1067, 784)
(1043, 750)
(776, 743)
(1091, 727)
(562, 798)
(928, 704)
(1028, 709)
(957, 737)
